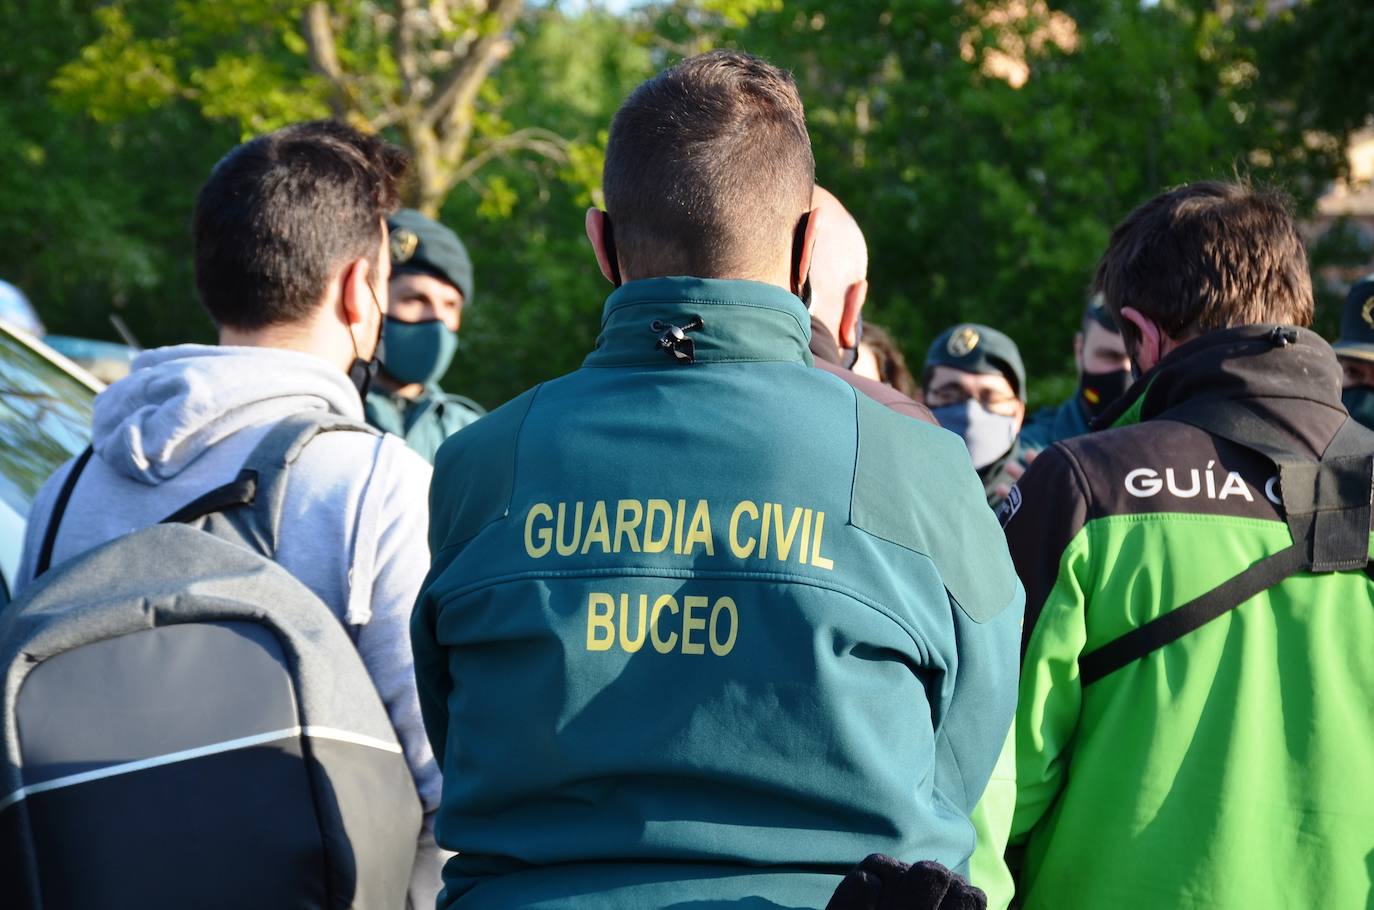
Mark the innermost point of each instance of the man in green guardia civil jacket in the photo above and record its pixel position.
(706, 626)
(1194, 728)
(431, 283)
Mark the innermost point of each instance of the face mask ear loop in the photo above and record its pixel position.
(858, 342)
(801, 286)
(608, 241)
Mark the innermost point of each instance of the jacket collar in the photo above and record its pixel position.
(823, 344)
(1288, 376)
(742, 321)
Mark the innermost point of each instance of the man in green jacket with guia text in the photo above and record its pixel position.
(692, 638)
(1195, 726)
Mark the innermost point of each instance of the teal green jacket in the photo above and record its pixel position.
(706, 633)
(425, 422)
(1235, 766)
(1050, 425)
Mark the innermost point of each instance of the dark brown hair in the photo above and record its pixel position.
(892, 366)
(708, 169)
(1204, 257)
(283, 212)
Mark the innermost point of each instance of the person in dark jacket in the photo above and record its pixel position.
(1194, 726)
(431, 285)
(1104, 374)
(975, 385)
(1355, 350)
(688, 640)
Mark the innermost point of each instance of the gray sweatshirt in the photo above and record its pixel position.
(356, 511)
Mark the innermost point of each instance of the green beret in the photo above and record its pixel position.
(1357, 322)
(421, 244)
(975, 348)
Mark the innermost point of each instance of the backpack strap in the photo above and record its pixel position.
(59, 509)
(248, 509)
(1327, 506)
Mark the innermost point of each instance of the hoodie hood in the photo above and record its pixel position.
(176, 402)
(1288, 377)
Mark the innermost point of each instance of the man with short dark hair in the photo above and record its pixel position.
(1194, 725)
(688, 640)
(298, 298)
(1104, 374)
(431, 286)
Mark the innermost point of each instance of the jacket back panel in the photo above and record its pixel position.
(667, 642)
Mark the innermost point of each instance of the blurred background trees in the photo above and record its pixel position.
(986, 146)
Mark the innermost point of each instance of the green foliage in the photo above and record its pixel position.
(983, 201)
(980, 200)
(537, 307)
(243, 63)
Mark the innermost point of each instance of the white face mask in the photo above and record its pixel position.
(988, 436)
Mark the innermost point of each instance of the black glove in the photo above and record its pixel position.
(883, 883)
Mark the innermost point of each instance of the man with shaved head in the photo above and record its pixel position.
(688, 639)
(839, 287)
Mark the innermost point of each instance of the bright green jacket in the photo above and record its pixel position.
(707, 633)
(1233, 768)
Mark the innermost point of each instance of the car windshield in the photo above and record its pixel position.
(45, 418)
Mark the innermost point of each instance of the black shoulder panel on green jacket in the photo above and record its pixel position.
(1046, 509)
(459, 511)
(954, 520)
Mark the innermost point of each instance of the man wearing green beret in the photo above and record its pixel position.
(975, 385)
(431, 280)
(1355, 351)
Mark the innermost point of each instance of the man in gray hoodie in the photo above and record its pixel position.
(292, 265)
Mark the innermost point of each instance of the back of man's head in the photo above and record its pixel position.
(1204, 257)
(282, 213)
(708, 170)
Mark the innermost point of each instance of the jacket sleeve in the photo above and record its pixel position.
(474, 477)
(992, 822)
(399, 566)
(1044, 522)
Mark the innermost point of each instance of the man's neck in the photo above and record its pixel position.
(286, 338)
(410, 392)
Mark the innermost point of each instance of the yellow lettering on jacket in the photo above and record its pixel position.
(662, 645)
(539, 510)
(687, 629)
(600, 619)
(626, 527)
(598, 529)
(738, 550)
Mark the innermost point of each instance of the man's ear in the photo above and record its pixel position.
(1152, 346)
(355, 295)
(596, 233)
(1078, 351)
(854, 297)
(803, 245)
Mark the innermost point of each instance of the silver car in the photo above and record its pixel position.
(45, 419)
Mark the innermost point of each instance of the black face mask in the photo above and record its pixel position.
(852, 357)
(1097, 391)
(798, 247)
(362, 372)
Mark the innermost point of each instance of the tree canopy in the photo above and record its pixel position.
(986, 147)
